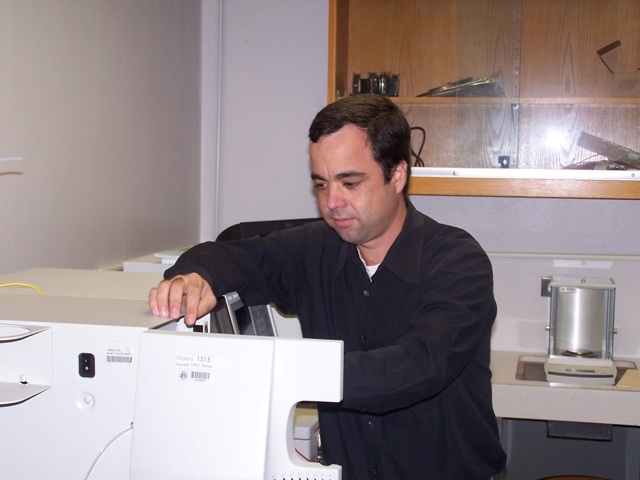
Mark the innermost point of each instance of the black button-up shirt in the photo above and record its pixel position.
(417, 384)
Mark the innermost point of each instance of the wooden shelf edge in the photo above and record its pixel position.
(512, 100)
(526, 188)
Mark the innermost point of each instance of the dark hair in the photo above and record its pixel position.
(387, 129)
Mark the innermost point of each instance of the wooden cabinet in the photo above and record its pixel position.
(543, 53)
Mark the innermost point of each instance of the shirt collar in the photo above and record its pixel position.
(403, 258)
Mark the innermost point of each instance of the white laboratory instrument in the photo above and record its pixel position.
(69, 379)
(68, 370)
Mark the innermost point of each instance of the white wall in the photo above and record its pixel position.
(542, 225)
(210, 92)
(274, 81)
(101, 101)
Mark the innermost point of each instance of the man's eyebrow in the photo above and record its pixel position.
(343, 175)
(339, 176)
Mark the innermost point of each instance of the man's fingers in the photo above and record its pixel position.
(207, 300)
(198, 299)
(153, 301)
(189, 292)
(176, 292)
(159, 298)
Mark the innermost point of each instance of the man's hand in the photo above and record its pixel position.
(189, 291)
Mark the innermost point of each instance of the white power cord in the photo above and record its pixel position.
(105, 447)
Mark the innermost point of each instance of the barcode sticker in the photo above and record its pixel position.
(202, 376)
(122, 355)
(118, 359)
(199, 367)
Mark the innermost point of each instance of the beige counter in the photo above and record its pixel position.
(65, 282)
(536, 400)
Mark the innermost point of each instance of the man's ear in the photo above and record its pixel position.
(399, 176)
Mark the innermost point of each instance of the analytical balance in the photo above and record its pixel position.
(581, 331)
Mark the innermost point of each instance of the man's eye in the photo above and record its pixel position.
(319, 186)
(351, 184)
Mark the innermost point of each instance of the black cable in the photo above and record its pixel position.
(419, 162)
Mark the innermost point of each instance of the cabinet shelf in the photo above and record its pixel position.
(514, 100)
(525, 187)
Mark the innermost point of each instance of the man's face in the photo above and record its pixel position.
(352, 195)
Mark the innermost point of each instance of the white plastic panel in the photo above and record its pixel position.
(221, 406)
(26, 359)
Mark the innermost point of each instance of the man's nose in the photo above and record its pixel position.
(335, 199)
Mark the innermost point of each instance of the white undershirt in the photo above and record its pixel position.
(371, 269)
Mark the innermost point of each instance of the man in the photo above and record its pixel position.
(411, 299)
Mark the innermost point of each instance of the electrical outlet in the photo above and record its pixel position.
(504, 161)
(545, 291)
(87, 365)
